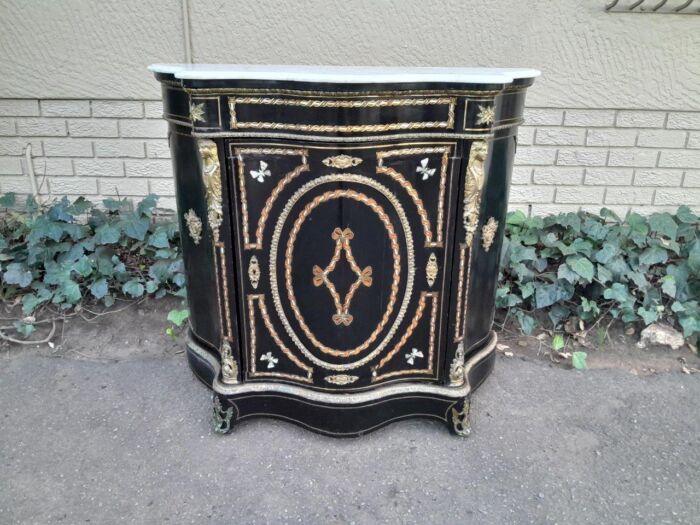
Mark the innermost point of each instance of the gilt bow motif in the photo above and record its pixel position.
(342, 240)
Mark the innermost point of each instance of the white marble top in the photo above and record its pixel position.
(345, 74)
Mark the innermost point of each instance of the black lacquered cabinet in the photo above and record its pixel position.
(341, 232)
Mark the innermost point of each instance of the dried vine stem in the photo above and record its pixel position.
(21, 342)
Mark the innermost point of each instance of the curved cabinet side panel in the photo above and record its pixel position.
(488, 241)
(197, 253)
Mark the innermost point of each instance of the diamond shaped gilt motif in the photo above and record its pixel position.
(342, 240)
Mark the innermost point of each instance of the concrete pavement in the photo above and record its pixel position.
(129, 442)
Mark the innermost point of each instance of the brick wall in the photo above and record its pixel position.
(566, 159)
(93, 148)
(620, 159)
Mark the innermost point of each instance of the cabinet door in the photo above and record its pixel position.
(341, 259)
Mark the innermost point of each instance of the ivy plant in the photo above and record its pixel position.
(579, 267)
(66, 253)
(583, 266)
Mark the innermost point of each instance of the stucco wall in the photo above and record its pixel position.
(618, 96)
(589, 58)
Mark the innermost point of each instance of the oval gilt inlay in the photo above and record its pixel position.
(402, 273)
(396, 258)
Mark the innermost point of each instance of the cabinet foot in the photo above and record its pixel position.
(461, 422)
(222, 419)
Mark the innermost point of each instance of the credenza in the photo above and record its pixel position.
(341, 232)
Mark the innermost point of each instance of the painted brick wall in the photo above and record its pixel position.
(566, 159)
(620, 159)
(95, 148)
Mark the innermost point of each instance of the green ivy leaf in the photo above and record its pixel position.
(178, 317)
(44, 228)
(114, 204)
(534, 223)
(583, 246)
(24, 329)
(569, 220)
(160, 271)
(527, 289)
(32, 300)
(99, 288)
(687, 232)
(604, 275)
(527, 323)
(690, 325)
(133, 288)
(607, 252)
(548, 294)
(565, 249)
(83, 267)
(55, 273)
(566, 273)
(619, 292)
(557, 313)
(578, 360)
(589, 306)
(145, 207)
(648, 316)
(524, 273)
(71, 291)
(677, 306)
(668, 285)
(80, 206)
(107, 234)
(588, 309)
(638, 278)
(159, 238)
(515, 218)
(694, 258)
(594, 229)
(618, 266)
(638, 228)
(505, 299)
(653, 255)
(607, 213)
(581, 266)
(663, 224)
(8, 200)
(519, 253)
(557, 342)
(31, 206)
(17, 273)
(540, 264)
(549, 239)
(685, 215)
(171, 228)
(58, 212)
(134, 226)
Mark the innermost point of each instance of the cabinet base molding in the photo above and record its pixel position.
(339, 415)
